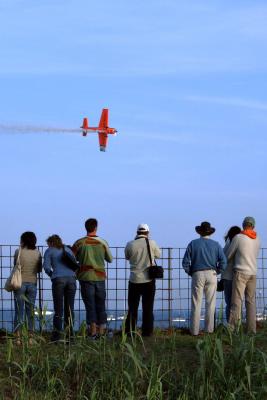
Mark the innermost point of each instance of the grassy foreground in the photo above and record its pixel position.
(168, 366)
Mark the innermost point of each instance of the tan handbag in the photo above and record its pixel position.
(14, 281)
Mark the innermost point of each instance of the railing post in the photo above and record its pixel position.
(170, 287)
(40, 294)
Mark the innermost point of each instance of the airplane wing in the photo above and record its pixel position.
(103, 123)
(103, 139)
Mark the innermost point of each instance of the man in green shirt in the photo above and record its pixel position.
(92, 251)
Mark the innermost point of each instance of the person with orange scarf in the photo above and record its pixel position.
(243, 251)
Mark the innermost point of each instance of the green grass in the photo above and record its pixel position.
(167, 366)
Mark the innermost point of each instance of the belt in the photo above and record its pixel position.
(205, 269)
(86, 268)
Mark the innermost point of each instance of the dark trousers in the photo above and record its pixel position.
(135, 291)
(63, 290)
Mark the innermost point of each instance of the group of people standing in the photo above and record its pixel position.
(90, 254)
(203, 260)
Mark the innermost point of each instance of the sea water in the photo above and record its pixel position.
(162, 319)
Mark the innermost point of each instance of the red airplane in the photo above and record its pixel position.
(103, 129)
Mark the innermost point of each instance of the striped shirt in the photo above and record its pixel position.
(92, 252)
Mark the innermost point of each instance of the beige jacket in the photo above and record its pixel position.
(136, 252)
(243, 252)
(31, 264)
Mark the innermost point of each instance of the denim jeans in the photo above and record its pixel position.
(94, 297)
(24, 301)
(63, 290)
(227, 296)
(135, 292)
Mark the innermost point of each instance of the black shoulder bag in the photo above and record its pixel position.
(154, 271)
(69, 260)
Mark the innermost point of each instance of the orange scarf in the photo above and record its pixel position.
(250, 233)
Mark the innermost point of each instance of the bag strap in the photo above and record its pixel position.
(149, 251)
(64, 248)
(18, 257)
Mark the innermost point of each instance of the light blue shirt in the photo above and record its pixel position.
(53, 265)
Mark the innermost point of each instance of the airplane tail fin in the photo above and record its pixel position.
(103, 123)
(85, 126)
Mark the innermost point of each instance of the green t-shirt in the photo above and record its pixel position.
(92, 252)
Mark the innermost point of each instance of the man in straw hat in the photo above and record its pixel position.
(203, 260)
(243, 251)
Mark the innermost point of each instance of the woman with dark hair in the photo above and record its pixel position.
(31, 264)
(63, 285)
(227, 275)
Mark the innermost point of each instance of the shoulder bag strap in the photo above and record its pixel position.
(18, 258)
(149, 251)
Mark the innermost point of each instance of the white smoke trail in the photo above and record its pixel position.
(35, 129)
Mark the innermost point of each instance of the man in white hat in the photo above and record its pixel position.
(140, 285)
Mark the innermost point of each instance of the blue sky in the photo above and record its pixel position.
(185, 82)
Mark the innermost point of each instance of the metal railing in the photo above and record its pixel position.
(172, 300)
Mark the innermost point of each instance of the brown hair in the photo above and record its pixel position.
(54, 241)
(28, 240)
(90, 225)
(234, 230)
